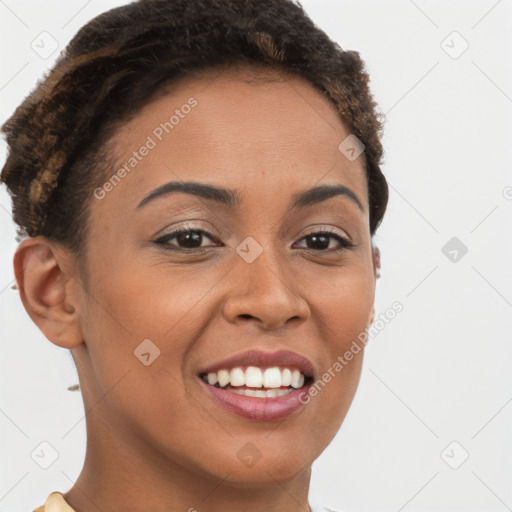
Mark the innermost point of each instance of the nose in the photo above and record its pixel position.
(264, 292)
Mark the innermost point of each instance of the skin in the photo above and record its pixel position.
(155, 440)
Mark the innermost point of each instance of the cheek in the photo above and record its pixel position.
(342, 305)
(132, 318)
(140, 300)
(342, 309)
(135, 310)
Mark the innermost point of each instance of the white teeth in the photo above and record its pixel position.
(295, 379)
(223, 377)
(272, 378)
(286, 377)
(237, 377)
(254, 377)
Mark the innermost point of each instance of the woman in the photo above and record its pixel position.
(198, 186)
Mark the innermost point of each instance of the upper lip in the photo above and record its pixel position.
(255, 357)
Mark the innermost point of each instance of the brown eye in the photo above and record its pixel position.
(321, 240)
(186, 239)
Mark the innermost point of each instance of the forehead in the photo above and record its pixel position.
(258, 130)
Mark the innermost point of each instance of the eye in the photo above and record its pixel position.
(187, 239)
(320, 241)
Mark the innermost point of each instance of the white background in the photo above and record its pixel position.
(440, 371)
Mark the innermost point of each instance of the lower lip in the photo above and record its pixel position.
(256, 408)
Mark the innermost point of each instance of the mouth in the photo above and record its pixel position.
(259, 386)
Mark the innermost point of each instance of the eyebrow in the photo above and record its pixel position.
(231, 198)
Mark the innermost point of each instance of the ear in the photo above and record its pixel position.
(376, 272)
(372, 316)
(47, 286)
(376, 260)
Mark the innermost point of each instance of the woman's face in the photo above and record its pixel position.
(258, 279)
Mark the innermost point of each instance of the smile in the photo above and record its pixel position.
(259, 385)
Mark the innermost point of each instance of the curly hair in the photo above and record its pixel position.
(115, 64)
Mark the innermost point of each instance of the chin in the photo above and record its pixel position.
(271, 468)
(266, 475)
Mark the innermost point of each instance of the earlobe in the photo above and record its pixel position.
(44, 287)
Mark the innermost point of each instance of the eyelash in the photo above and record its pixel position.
(163, 241)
